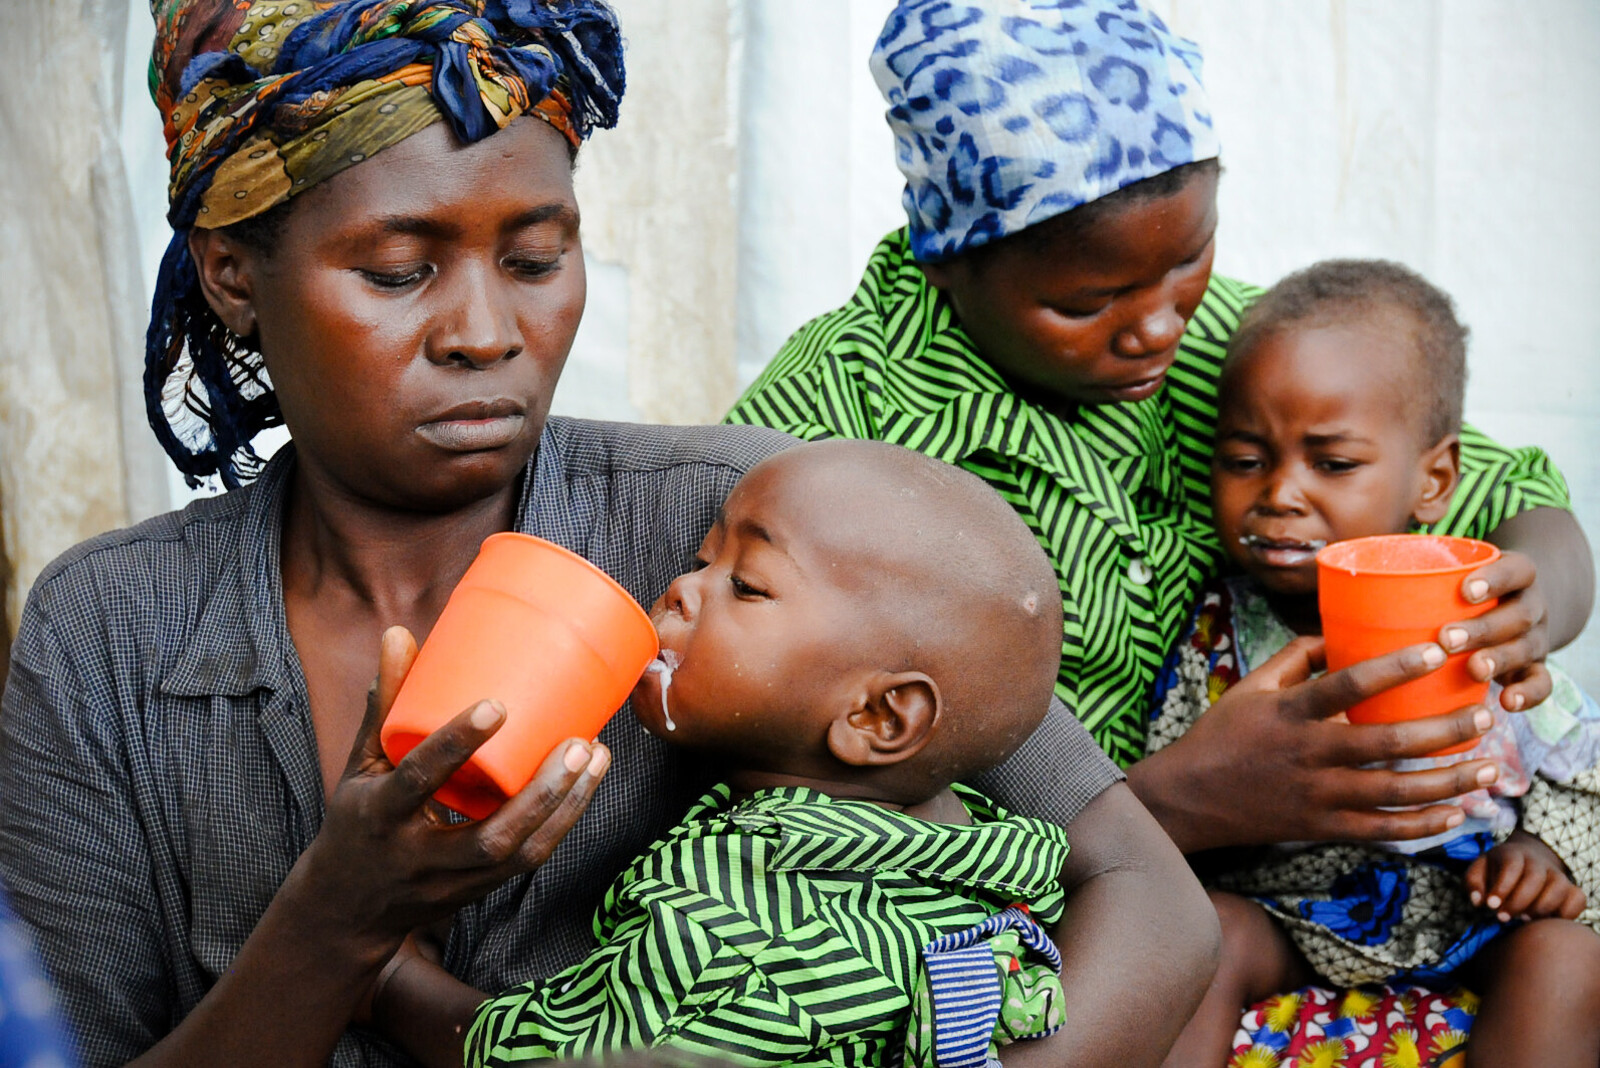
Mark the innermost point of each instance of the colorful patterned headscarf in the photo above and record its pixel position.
(263, 99)
(1008, 112)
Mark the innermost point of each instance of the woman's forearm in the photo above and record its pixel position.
(286, 999)
(1161, 783)
(1552, 538)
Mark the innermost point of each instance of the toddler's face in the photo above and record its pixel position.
(765, 634)
(1095, 317)
(1318, 440)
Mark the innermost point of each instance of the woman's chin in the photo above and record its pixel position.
(450, 483)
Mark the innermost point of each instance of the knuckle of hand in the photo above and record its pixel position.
(1336, 824)
(548, 799)
(1397, 790)
(534, 852)
(1390, 737)
(1348, 686)
(1516, 651)
(413, 777)
(1399, 826)
(493, 847)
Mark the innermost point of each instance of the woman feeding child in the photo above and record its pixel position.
(1049, 321)
(377, 242)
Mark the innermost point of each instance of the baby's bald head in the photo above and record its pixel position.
(945, 578)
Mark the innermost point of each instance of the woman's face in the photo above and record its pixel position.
(1090, 315)
(416, 311)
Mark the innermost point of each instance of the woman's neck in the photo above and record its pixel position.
(401, 565)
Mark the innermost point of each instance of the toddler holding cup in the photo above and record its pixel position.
(1340, 407)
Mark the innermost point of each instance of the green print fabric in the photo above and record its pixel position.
(786, 928)
(1117, 494)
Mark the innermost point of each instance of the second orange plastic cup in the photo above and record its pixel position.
(540, 629)
(1380, 594)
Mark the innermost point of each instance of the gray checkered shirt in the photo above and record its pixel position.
(159, 773)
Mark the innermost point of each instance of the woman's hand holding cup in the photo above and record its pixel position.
(1274, 760)
(388, 859)
(1513, 638)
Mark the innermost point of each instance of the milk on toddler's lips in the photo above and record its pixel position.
(665, 665)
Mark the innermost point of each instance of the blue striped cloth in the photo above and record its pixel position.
(966, 990)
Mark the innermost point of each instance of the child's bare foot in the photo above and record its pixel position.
(1522, 878)
(1540, 986)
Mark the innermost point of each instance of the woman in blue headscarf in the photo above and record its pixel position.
(1048, 319)
(377, 244)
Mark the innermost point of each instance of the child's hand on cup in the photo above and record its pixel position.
(1522, 878)
(1512, 639)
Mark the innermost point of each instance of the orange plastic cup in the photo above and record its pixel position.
(540, 629)
(1384, 593)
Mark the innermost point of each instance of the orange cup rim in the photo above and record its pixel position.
(562, 550)
(1326, 556)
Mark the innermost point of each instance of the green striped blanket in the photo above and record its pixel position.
(782, 929)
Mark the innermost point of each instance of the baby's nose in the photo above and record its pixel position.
(682, 598)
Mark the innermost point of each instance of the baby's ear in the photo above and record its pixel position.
(893, 722)
(1440, 470)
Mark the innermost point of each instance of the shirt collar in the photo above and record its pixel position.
(241, 640)
(805, 821)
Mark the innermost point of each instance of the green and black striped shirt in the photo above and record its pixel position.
(784, 929)
(1117, 494)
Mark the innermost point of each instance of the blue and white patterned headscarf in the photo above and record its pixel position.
(1008, 112)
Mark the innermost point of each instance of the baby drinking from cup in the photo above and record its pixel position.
(865, 628)
(1340, 404)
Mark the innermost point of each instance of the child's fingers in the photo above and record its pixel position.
(1526, 688)
(1508, 870)
(1528, 890)
(1553, 902)
(1576, 901)
(1476, 876)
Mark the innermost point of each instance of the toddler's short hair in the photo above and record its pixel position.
(1334, 291)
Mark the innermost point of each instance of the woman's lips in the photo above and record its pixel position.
(475, 426)
(1143, 389)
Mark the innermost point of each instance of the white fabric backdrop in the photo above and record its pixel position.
(752, 173)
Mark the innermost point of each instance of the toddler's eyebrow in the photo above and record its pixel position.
(1335, 437)
(746, 526)
(756, 530)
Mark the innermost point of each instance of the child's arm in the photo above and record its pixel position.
(423, 1008)
(1523, 877)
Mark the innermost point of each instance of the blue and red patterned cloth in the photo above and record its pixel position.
(1387, 1027)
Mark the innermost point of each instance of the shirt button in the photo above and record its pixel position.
(1139, 572)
